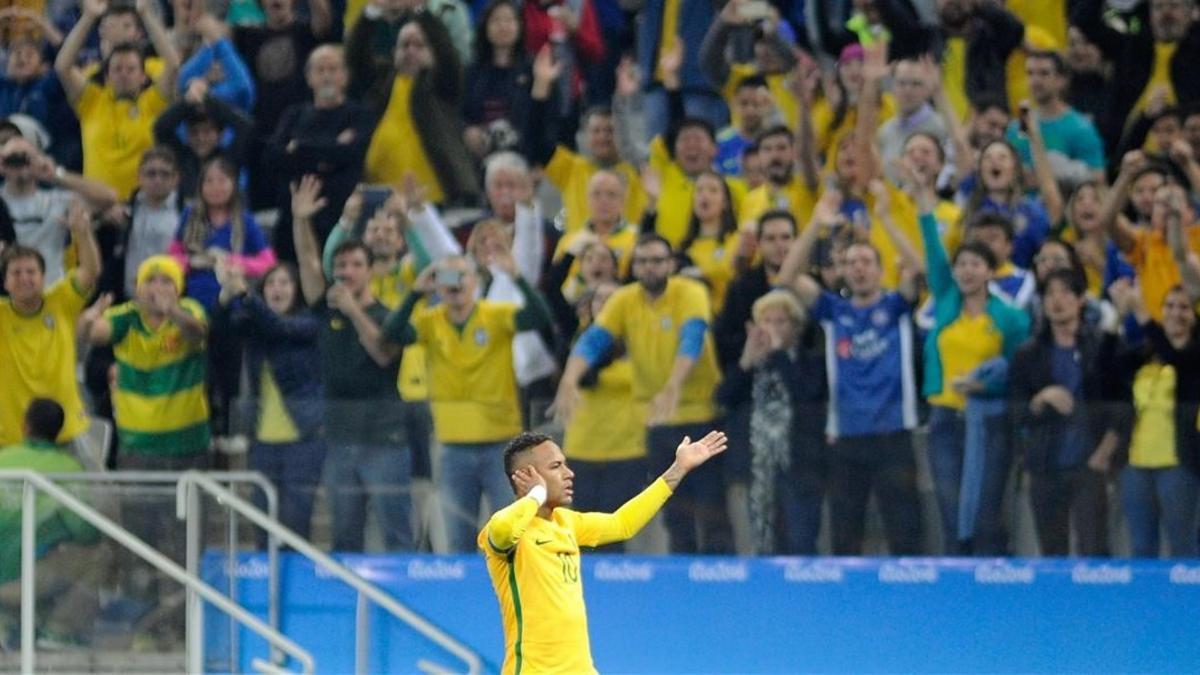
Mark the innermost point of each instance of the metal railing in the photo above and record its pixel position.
(171, 478)
(187, 498)
(32, 482)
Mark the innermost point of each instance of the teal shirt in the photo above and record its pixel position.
(1012, 323)
(1070, 134)
(55, 524)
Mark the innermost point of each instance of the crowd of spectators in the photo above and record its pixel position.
(375, 240)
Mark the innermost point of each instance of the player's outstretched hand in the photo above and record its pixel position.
(690, 455)
(526, 478)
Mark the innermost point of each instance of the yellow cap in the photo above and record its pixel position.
(164, 265)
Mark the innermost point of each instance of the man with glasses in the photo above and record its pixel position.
(472, 384)
(913, 83)
(663, 322)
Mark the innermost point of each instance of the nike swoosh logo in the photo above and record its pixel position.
(539, 542)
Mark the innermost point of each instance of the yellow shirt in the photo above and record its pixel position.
(964, 345)
(472, 386)
(275, 424)
(396, 147)
(1159, 76)
(607, 425)
(570, 173)
(37, 360)
(1049, 16)
(1153, 443)
(390, 288)
(1155, 266)
(781, 95)
(948, 216)
(650, 330)
(620, 240)
(115, 132)
(533, 563)
(151, 64)
(828, 136)
(715, 260)
(954, 76)
(675, 194)
(795, 197)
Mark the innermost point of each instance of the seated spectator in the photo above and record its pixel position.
(1159, 484)
(1065, 429)
(38, 352)
(206, 119)
(369, 460)
(496, 96)
(428, 71)
(217, 64)
(779, 377)
(116, 116)
(39, 214)
(70, 563)
(282, 361)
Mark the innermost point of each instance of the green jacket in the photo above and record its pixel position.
(55, 524)
(1012, 323)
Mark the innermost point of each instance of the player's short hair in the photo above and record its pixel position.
(524, 442)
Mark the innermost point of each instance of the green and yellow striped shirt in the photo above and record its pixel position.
(159, 400)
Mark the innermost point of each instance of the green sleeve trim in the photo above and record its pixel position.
(516, 596)
(535, 315)
(336, 237)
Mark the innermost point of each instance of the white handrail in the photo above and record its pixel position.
(253, 478)
(303, 547)
(33, 481)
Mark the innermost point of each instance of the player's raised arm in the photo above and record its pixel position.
(690, 455)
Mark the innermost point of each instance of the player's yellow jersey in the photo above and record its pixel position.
(534, 566)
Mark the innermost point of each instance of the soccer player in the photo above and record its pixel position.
(532, 550)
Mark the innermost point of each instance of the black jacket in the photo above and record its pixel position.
(804, 377)
(729, 329)
(1132, 56)
(1039, 437)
